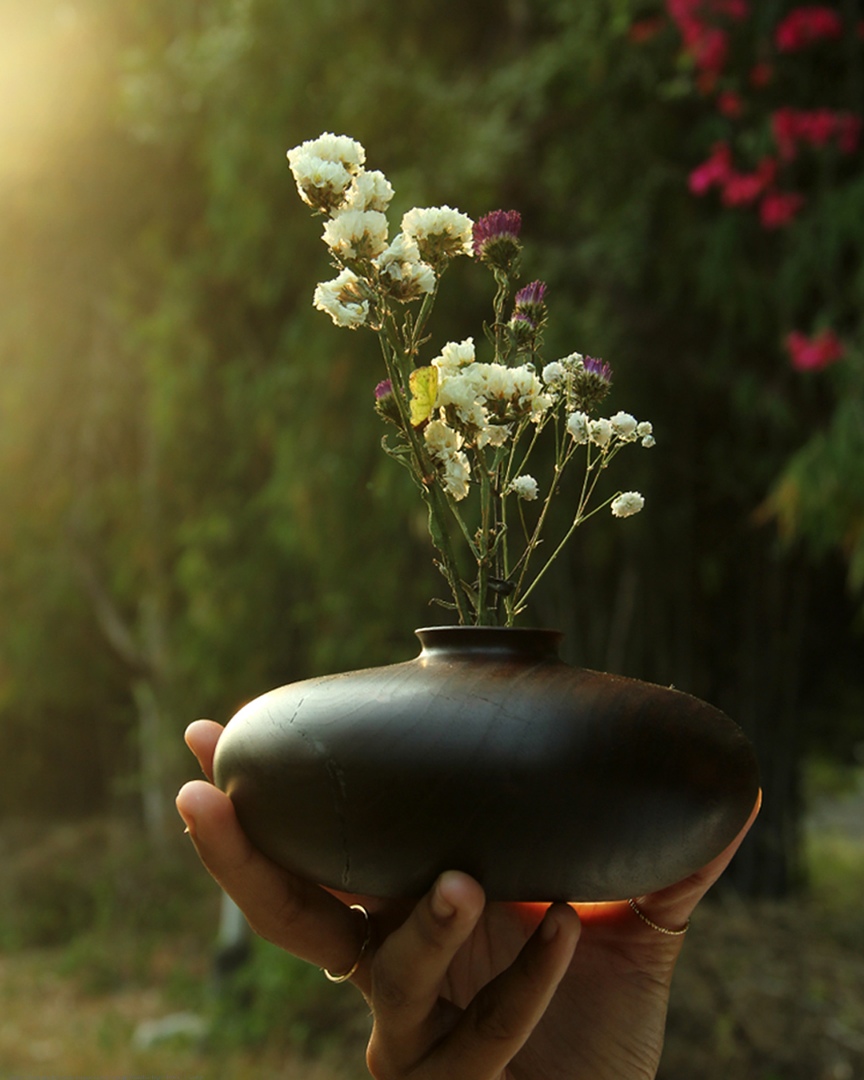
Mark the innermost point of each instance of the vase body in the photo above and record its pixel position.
(487, 754)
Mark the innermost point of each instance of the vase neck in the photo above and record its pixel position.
(525, 643)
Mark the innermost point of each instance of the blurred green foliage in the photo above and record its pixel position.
(192, 496)
(275, 991)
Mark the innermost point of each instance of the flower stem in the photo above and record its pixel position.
(426, 475)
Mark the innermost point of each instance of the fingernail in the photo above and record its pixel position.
(441, 906)
(188, 820)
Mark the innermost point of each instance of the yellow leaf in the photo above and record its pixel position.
(424, 392)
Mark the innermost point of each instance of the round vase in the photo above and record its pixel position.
(487, 753)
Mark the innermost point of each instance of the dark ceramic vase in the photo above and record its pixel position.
(488, 754)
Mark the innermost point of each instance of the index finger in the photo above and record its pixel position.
(292, 913)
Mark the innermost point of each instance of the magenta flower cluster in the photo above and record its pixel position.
(497, 225)
(714, 31)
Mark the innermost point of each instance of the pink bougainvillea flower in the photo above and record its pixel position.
(739, 189)
(818, 126)
(730, 104)
(709, 49)
(805, 25)
(707, 45)
(778, 208)
(814, 353)
(785, 130)
(713, 172)
(814, 127)
(684, 12)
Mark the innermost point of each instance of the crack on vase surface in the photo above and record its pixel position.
(294, 715)
(336, 776)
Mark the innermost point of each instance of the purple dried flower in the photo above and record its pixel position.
(529, 314)
(530, 294)
(386, 404)
(492, 226)
(496, 238)
(589, 381)
(599, 368)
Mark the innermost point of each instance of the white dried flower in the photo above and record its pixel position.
(554, 374)
(330, 147)
(441, 439)
(456, 473)
(413, 281)
(624, 425)
(461, 391)
(498, 382)
(444, 444)
(356, 234)
(440, 232)
(320, 183)
(342, 299)
(577, 427)
(627, 504)
(408, 276)
(525, 487)
(323, 169)
(600, 432)
(525, 383)
(470, 416)
(369, 191)
(402, 249)
(492, 435)
(513, 393)
(644, 432)
(454, 356)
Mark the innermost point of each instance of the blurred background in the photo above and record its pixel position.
(194, 506)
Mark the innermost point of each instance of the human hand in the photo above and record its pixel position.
(460, 988)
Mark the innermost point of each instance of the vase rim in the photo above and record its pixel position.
(525, 641)
(462, 629)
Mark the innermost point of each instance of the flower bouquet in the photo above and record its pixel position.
(466, 428)
(486, 752)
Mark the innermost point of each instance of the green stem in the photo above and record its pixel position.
(426, 474)
(561, 462)
(421, 320)
(580, 517)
